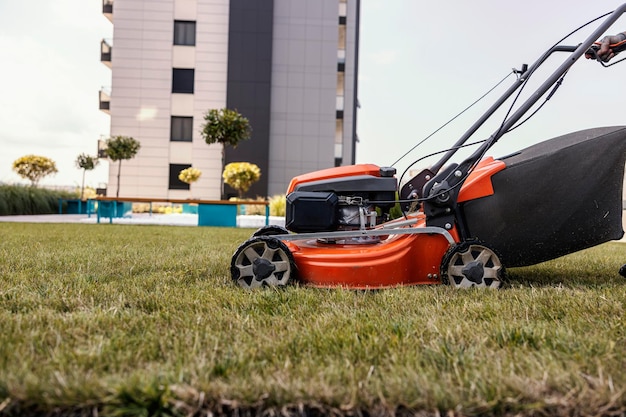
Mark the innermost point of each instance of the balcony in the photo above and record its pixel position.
(105, 52)
(102, 147)
(107, 9)
(105, 100)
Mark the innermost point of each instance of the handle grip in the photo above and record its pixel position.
(614, 47)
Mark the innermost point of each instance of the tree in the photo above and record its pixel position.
(241, 175)
(227, 127)
(189, 175)
(120, 148)
(86, 163)
(34, 168)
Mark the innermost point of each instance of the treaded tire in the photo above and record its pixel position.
(262, 261)
(270, 230)
(472, 263)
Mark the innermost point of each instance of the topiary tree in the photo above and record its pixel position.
(34, 168)
(189, 175)
(227, 127)
(241, 175)
(86, 163)
(120, 148)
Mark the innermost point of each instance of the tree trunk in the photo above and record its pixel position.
(82, 187)
(119, 171)
(222, 192)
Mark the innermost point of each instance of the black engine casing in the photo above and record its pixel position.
(315, 206)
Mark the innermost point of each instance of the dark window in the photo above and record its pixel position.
(181, 129)
(175, 183)
(339, 114)
(338, 162)
(342, 20)
(341, 67)
(182, 80)
(184, 32)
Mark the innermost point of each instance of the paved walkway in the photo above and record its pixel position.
(137, 218)
(45, 218)
(178, 219)
(142, 218)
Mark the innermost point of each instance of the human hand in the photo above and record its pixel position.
(606, 53)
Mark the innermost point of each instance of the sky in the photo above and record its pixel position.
(421, 63)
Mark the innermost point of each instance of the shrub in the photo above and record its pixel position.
(189, 175)
(278, 205)
(256, 209)
(34, 168)
(241, 175)
(21, 200)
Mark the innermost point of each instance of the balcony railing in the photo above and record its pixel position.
(105, 52)
(107, 9)
(105, 99)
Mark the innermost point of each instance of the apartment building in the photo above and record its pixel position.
(289, 66)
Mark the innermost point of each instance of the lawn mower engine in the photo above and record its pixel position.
(355, 197)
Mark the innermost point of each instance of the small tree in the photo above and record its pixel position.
(34, 168)
(120, 148)
(86, 163)
(227, 127)
(189, 175)
(241, 175)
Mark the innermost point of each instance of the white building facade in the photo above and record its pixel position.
(289, 66)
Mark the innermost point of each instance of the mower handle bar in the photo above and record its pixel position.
(576, 52)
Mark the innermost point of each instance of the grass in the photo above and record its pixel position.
(128, 320)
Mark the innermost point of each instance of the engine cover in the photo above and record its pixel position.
(339, 203)
(311, 211)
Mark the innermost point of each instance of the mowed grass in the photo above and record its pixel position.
(128, 320)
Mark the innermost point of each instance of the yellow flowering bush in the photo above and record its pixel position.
(278, 205)
(34, 168)
(189, 175)
(241, 175)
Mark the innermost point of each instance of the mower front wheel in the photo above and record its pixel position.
(262, 261)
(472, 264)
(270, 230)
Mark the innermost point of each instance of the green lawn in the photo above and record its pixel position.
(143, 320)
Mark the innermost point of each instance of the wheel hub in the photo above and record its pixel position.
(474, 271)
(262, 268)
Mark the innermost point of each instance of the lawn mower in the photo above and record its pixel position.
(460, 223)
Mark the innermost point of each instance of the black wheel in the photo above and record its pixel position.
(472, 264)
(270, 230)
(262, 261)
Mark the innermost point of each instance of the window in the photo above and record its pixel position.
(342, 37)
(343, 8)
(182, 80)
(181, 129)
(340, 84)
(339, 131)
(184, 32)
(175, 183)
(339, 103)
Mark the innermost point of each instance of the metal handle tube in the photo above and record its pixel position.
(577, 52)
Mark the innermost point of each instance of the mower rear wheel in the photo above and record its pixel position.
(262, 261)
(472, 264)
